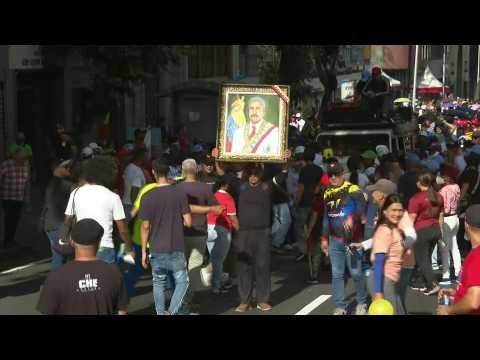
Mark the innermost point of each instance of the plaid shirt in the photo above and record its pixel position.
(13, 180)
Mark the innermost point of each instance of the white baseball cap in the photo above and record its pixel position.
(382, 150)
(299, 150)
(87, 151)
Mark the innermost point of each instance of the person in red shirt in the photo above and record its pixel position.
(425, 209)
(466, 298)
(183, 140)
(220, 229)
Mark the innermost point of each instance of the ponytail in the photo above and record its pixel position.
(432, 197)
(426, 180)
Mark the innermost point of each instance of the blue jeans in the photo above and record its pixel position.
(107, 254)
(341, 259)
(57, 259)
(161, 265)
(218, 244)
(133, 271)
(405, 276)
(281, 223)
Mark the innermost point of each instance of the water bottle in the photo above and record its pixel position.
(445, 300)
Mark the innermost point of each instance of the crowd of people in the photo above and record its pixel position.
(389, 221)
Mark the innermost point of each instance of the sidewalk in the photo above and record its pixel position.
(33, 245)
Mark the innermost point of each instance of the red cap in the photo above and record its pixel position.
(123, 152)
(376, 71)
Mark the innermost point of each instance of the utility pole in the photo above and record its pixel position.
(478, 65)
(415, 78)
(443, 69)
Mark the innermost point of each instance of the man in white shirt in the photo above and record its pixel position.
(93, 201)
(134, 179)
(258, 136)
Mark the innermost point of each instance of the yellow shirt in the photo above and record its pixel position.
(137, 237)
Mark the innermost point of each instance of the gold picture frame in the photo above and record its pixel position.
(253, 123)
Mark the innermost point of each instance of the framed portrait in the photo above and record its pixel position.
(253, 123)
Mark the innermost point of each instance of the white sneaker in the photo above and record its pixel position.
(205, 277)
(445, 281)
(339, 311)
(361, 309)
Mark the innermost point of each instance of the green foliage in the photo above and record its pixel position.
(117, 68)
(295, 64)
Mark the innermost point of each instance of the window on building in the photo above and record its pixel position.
(152, 103)
(436, 52)
(208, 61)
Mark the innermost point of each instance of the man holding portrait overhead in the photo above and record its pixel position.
(257, 136)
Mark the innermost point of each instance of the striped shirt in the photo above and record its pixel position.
(13, 180)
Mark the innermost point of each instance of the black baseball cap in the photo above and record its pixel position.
(335, 168)
(472, 216)
(87, 232)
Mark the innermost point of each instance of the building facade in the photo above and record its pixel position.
(188, 94)
(461, 66)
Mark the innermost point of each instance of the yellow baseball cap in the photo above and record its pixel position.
(328, 153)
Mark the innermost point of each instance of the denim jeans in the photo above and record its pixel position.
(161, 264)
(57, 259)
(218, 244)
(340, 260)
(107, 254)
(301, 218)
(281, 224)
(133, 271)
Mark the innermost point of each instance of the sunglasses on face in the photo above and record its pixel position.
(335, 175)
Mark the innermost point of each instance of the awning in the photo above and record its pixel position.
(393, 82)
(429, 84)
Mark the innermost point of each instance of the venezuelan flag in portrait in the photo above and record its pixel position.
(236, 119)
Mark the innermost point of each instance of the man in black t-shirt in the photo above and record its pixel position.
(407, 184)
(87, 285)
(201, 201)
(165, 211)
(310, 176)
(254, 238)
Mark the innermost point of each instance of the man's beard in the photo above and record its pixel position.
(255, 120)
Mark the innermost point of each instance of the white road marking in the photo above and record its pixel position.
(24, 267)
(313, 305)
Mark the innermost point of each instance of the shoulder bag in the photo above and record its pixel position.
(64, 244)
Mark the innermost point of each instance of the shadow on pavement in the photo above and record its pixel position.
(27, 287)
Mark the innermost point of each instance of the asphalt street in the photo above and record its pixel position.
(291, 295)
